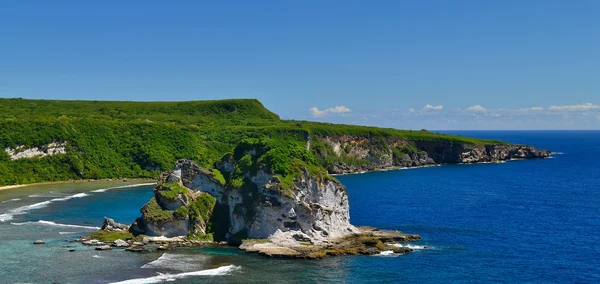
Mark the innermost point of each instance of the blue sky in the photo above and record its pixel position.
(404, 64)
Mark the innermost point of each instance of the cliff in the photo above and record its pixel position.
(276, 198)
(292, 206)
(349, 154)
(49, 140)
(313, 209)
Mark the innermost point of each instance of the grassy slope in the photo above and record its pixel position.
(140, 139)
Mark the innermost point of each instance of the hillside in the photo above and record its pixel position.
(49, 140)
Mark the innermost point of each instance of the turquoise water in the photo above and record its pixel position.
(522, 221)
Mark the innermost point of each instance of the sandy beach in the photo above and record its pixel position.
(6, 187)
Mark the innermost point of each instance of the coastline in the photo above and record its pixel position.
(7, 187)
(395, 168)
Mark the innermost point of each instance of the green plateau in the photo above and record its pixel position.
(114, 139)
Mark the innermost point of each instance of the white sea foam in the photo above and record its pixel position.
(124, 186)
(23, 209)
(179, 262)
(223, 270)
(11, 200)
(50, 223)
(387, 253)
(78, 195)
(97, 256)
(415, 247)
(66, 233)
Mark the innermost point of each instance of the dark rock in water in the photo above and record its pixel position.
(39, 242)
(110, 225)
(136, 249)
(71, 250)
(104, 247)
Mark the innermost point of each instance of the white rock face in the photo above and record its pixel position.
(313, 211)
(20, 152)
(168, 229)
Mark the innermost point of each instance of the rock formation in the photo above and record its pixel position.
(21, 152)
(276, 200)
(175, 211)
(361, 154)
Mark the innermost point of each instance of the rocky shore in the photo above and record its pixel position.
(305, 213)
(357, 154)
(367, 241)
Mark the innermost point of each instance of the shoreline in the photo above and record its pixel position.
(396, 168)
(8, 187)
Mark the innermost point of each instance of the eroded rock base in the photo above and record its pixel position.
(369, 241)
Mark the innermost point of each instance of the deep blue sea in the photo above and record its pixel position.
(533, 221)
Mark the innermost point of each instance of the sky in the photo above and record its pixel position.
(530, 64)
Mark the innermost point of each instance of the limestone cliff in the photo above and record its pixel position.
(276, 193)
(313, 209)
(348, 154)
(175, 211)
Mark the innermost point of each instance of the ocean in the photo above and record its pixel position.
(530, 221)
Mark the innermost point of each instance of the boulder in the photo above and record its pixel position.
(110, 225)
(104, 247)
(39, 242)
(120, 243)
(136, 249)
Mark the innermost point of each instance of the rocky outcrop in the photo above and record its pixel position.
(453, 153)
(175, 211)
(110, 225)
(314, 209)
(21, 152)
(353, 154)
(367, 241)
(308, 218)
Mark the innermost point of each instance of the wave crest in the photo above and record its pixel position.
(123, 186)
(50, 223)
(223, 270)
(23, 209)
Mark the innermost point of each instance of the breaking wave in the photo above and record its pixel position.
(223, 270)
(124, 186)
(50, 223)
(415, 247)
(179, 262)
(23, 209)
(11, 200)
(387, 253)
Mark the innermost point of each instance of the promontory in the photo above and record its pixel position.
(227, 170)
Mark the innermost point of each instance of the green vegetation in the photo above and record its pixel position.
(141, 139)
(201, 237)
(201, 208)
(171, 190)
(153, 212)
(218, 176)
(111, 236)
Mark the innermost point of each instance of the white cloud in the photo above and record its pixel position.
(411, 110)
(337, 110)
(533, 109)
(476, 108)
(579, 107)
(428, 106)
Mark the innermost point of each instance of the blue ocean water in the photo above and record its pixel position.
(534, 221)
